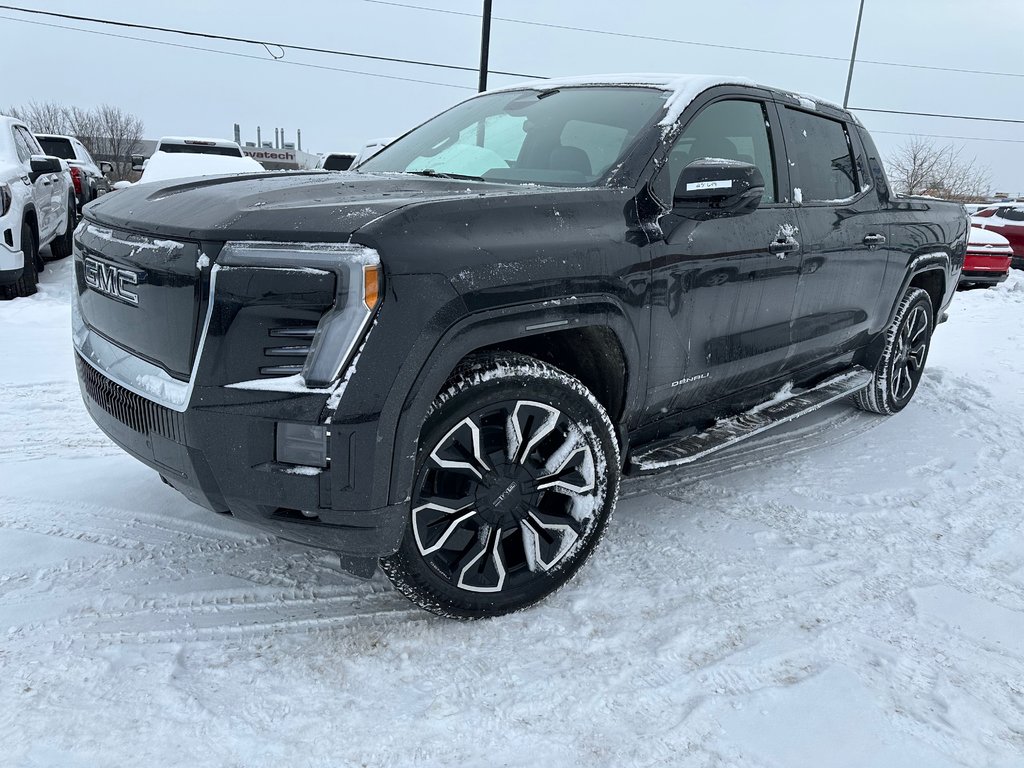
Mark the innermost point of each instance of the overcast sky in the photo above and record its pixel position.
(178, 90)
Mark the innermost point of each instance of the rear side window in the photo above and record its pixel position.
(729, 130)
(338, 162)
(200, 149)
(820, 157)
(58, 148)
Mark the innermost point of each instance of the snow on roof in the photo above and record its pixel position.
(683, 88)
(180, 165)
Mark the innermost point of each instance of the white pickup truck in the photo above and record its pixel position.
(37, 207)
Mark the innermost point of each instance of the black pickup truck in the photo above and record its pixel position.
(444, 361)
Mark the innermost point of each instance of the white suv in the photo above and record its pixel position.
(37, 207)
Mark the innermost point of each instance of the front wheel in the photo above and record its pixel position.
(26, 284)
(517, 475)
(901, 366)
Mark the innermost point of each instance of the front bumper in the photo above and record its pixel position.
(217, 458)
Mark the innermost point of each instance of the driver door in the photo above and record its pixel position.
(724, 288)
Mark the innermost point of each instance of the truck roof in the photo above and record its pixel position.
(684, 88)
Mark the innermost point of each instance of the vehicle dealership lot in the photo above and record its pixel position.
(844, 591)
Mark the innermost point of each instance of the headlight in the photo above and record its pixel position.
(358, 279)
(5, 199)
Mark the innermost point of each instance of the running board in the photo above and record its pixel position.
(727, 432)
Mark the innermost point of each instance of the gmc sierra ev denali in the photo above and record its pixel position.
(444, 361)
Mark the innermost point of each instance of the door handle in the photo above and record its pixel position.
(874, 239)
(783, 246)
(46, 182)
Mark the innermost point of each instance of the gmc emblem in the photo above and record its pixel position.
(111, 280)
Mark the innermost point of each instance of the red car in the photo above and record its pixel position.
(1008, 221)
(988, 258)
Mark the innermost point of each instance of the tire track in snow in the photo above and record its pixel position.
(120, 521)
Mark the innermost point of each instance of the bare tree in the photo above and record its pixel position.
(108, 132)
(42, 117)
(118, 135)
(920, 165)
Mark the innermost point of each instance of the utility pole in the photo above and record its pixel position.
(853, 55)
(485, 45)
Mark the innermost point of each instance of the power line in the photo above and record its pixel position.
(943, 136)
(264, 43)
(935, 114)
(396, 77)
(608, 32)
(696, 42)
(236, 54)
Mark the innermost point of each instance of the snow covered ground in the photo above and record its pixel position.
(848, 591)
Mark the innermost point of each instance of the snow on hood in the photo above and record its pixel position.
(182, 165)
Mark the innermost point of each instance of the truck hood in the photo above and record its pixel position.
(317, 206)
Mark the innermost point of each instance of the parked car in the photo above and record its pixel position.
(337, 161)
(189, 145)
(89, 178)
(988, 258)
(163, 166)
(37, 208)
(1008, 221)
(444, 362)
(196, 146)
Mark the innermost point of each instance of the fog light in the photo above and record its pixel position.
(302, 444)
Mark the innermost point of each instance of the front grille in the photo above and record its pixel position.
(132, 410)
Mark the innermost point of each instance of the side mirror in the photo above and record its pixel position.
(106, 167)
(138, 163)
(710, 188)
(40, 165)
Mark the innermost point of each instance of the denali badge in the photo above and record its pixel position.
(111, 280)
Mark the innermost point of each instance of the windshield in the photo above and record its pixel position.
(57, 148)
(570, 136)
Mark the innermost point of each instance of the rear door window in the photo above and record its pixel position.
(820, 156)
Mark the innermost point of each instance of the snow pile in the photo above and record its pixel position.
(847, 590)
(181, 165)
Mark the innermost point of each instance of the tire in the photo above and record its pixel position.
(516, 478)
(901, 365)
(26, 284)
(62, 247)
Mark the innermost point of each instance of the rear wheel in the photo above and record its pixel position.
(902, 363)
(26, 284)
(62, 246)
(517, 474)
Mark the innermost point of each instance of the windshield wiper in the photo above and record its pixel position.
(439, 175)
